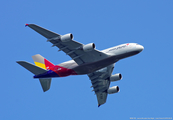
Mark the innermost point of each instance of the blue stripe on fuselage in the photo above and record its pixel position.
(48, 74)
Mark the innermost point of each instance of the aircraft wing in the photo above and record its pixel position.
(71, 47)
(100, 82)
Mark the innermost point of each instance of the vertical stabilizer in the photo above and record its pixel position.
(40, 61)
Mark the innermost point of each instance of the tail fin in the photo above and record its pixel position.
(40, 61)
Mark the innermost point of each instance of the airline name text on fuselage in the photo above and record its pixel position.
(119, 47)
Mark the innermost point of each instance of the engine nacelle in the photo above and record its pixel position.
(116, 77)
(113, 90)
(66, 37)
(89, 47)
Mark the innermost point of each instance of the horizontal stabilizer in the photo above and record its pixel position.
(32, 68)
(45, 83)
(46, 33)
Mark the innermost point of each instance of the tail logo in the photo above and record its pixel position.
(40, 61)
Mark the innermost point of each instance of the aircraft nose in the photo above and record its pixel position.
(140, 48)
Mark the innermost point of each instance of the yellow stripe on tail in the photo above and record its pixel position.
(39, 61)
(40, 65)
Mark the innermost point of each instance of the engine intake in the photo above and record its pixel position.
(66, 37)
(116, 77)
(114, 89)
(89, 47)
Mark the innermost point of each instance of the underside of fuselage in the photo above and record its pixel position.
(94, 66)
(86, 68)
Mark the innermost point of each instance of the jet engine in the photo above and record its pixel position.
(89, 47)
(66, 37)
(113, 90)
(116, 77)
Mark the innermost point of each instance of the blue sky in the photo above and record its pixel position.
(146, 88)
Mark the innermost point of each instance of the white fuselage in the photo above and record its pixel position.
(123, 49)
(114, 54)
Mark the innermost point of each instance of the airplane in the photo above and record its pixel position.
(86, 59)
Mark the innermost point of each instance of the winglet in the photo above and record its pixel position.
(26, 25)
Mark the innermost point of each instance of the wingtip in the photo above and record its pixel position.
(99, 105)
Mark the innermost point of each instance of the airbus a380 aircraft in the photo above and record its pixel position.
(98, 65)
